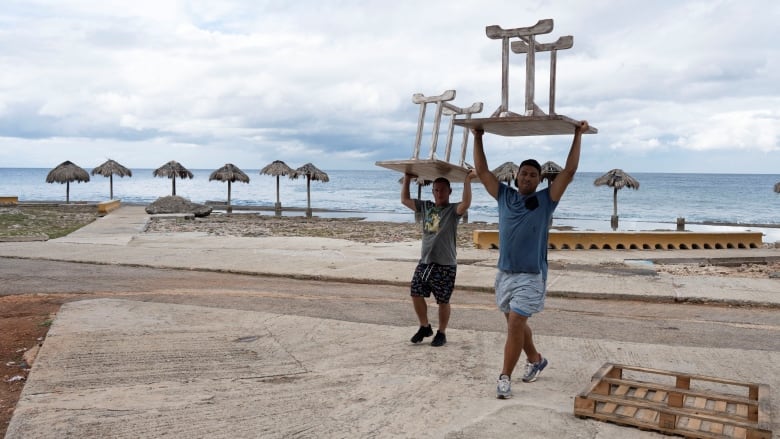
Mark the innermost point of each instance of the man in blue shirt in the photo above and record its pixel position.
(523, 227)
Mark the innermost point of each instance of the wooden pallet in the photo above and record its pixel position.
(688, 405)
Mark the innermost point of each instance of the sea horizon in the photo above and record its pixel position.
(706, 201)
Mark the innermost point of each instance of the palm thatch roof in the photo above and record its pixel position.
(617, 179)
(277, 168)
(312, 173)
(66, 172)
(506, 172)
(109, 169)
(229, 173)
(550, 170)
(777, 187)
(172, 170)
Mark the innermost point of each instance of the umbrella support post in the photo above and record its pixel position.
(278, 209)
(613, 221)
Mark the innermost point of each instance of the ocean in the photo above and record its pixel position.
(706, 201)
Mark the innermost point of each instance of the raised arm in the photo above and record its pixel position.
(481, 167)
(406, 200)
(465, 203)
(561, 182)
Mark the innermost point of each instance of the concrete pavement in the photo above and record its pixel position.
(118, 239)
(115, 368)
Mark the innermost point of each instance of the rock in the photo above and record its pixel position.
(30, 355)
(175, 204)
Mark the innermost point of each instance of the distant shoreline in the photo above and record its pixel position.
(220, 205)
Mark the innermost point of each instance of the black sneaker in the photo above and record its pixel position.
(439, 340)
(424, 331)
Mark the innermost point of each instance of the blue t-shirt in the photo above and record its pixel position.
(523, 230)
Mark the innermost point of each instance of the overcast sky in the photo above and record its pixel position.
(672, 86)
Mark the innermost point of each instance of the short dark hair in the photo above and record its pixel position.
(531, 162)
(443, 180)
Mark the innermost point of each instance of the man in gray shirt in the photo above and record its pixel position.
(435, 273)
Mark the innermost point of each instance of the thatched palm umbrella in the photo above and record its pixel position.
(616, 179)
(506, 172)
(312, 173)
(277, 168)
(66, 172)
(550, 170)
(777, 187)
(172, 170)
(229, 173)
(108, 169)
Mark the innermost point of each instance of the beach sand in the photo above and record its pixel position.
(353, 229)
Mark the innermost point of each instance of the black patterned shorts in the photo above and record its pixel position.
(436, 279)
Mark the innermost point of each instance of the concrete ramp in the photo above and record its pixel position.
(126, 369)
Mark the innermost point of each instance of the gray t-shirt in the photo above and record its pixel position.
(440, 232)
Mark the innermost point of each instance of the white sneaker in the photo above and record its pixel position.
(532, 370)
(504, 387)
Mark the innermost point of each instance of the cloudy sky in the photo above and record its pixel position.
(672, 86)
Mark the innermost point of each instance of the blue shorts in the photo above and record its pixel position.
(522, 293)
(436, 279)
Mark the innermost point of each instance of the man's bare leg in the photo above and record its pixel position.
(515, 340)
(528, 345)
(421, 309)
(444, 316)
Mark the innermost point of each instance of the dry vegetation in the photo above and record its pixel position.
(353, 229)
(39, 221)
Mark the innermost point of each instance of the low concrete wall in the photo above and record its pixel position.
(107, 206)
(570, 240)
(9, 200)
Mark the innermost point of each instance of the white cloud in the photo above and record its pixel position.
(332, 81)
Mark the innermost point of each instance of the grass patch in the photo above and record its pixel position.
(53, 221)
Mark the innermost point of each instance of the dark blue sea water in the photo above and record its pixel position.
(744, 200)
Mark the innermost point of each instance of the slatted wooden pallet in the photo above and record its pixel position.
(688, 405)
